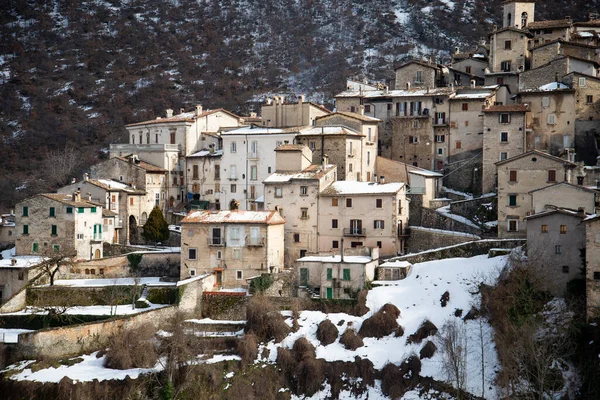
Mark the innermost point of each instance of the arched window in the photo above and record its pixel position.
(523, 20)
(508, 19)
(132, 139)
(87, 271)
(144, 218)
(148, 138)
(141, 138)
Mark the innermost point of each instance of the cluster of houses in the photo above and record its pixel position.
(329, 195)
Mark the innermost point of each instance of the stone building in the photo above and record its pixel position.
(7, 229)
(549, 31)
(365, 214)
(554, 70)
(293, 190)
(232, 245)
(15, 273)
(60, 222)
(546, 52)
(419, 74)
(276, 113)
(504, 136)
(564, 195)
(592, 267)
(555, 241)
(517, 177)
(203, 176)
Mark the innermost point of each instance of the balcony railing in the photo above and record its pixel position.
(255, 242)
(355, 232)
(216, 241)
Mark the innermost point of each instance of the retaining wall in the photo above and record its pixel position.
(421, 238)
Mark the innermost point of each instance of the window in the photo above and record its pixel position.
(582, 82)
(368, 158)
(304, 213)
(348, 203)
(346, 275)
(329, 274)
(507, 45)
(468, 69)
(440, 151)
(93, 209)
(235, 233)
(157, 199)
(565, 269)
(334, 223)
(131, 201)
(52, 212)
(334, 202)
(504, 118)
(513, 225)
(56, 247)
(503, 156)
(296, 238)
(233, 147)
(563, 229)
(379, 243)
(552, 175)
(254, 148)
(219, 255)
(379, 203)
(512, 200)
(34, 247)
(269, 170)
(253, 172)
(303, 190)
(69, 210)
(544, 228)
(440, 138)
(416, 124)
(465, 106)
(25, 211)
(466, 123)
(551, 119)
(367, 108)
(172, 137)
(500, 81)
(413, 139)
(233, 189)
(239, 275)
(312, 145)
(557, 249)
(80, 236)
(504, 137)
(369, 134)
(194, 171)
(278, 192)
(217, 171)
(350, 167)
(505, 66)
(378, 224)
(237, 254)
(589, 99)
(335, 244)
(54, 230)
(458, 144)
(419, 77)
(512, 176)
(192, 253)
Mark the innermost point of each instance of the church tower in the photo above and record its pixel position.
(518, 13)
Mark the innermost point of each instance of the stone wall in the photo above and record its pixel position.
(414, 209)
(468, 249)
(426, 238)
(469, 208)
(465, 175)
(435, 220)
(586, 145)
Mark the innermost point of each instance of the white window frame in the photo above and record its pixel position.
(503, 141)
(303, 190)
(506, 155)
(239, 275)
(551, 119)
(233, 147)
(582, 82)
(278, 191)
(508, 225)
(237, 254)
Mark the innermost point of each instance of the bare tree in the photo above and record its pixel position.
(54, 259)
(59, 165)
(452, 342)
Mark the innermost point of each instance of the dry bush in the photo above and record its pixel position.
(285, 360)
(265, 321)
(399, 331)
(428, 350)
(361, 307)
(247, 348)
(382, 323)
(426, 329)
(295, 314)
(351, 340)
(445, 298)
(132, 349)
(411, 368)
(393, 384)
(310, 376)
(472, 314)
(458, 312)
(327, 333)
(303, 350)
(366, 371)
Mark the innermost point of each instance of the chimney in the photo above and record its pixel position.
(407, 85)
(268, 101)
(342, 251)
(581, 212)
(382, 180)
(86, 176)
(386, 89)
(89, 196)
(169, 112)
(211, 149)
(473, 83)
(73, 180)
(494, 28)
(301, 99)
(361, 110)
(181, 110)
(568, 18)
(325, 160)
(198, 109)
(77, 196)
(456, 51)
(13, 262)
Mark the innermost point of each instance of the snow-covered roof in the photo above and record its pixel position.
(110, 184)
(351, 187)
(314, 171)
(425, 172)
(396, 93)
(396, 264)
(337, 259)
(553, 86)
(22, 261)
(329, 130)
(234, 217)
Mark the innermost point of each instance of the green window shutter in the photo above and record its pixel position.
(56, 247)
(329, 274)
(304, 276)
(35, 248)
(25, 211)
(25, 229)
(330, 293)
(346, 274)
(93, 209)
(54, 229)
(69, 210)
(52, 212)
(81, 210)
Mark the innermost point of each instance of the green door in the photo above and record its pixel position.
(303, 276)
(330, 293)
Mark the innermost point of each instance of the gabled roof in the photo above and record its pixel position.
(206, 153)
(291, 147)
(329, 130)
(591, 23)
(563, 42)
(556, 23)
(508, 108)
(537, 153)
(421, 63)
(183, 117)
(142, 164)
(234, 217)
(513, 29)
(361, 188)
(356, 116)
(114, 186)
(68, 200)
(563, 211)
(312, 172)
(567, 184)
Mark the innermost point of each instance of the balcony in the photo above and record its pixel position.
(255, 242)
(356, 232)
(216, 241)
(253, 156)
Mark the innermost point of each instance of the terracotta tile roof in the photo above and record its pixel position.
(564, 43)
(508, 108)
(290, 147)
(68, 200)
(593, 22)
(234, 217)
(143, 165)
(108, 213)
(357, 116)
(556, 23)
(183, 117)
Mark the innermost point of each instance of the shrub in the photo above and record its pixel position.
(132, 349)
(428, 350)
(134, 260)
(285, 360)
(472, 314)
(327, 333)
(156, 228)
(411, 368)
(351, 340)
(426, 329)
(399, 331)
(310, 376)
(458, 312)
(361, 306)
(382, 323)
(247, 348)
(392, 382)
(262, 283)
(264, 320)
(445, 298)
(302, 349)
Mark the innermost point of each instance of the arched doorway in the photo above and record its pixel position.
(97, 254)
(133, 230)
(171, 201)
(234, 204)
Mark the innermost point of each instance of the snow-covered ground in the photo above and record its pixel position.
(445, 211)
(418, 299)
(93, 310)
(112, 282)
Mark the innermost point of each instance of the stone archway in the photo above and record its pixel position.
(133, 230)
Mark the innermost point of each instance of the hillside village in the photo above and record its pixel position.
(493, 154)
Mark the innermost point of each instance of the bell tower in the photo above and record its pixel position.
(518, 13)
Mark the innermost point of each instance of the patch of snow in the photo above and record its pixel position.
(125, 309)
(112, 282)
(11, 335)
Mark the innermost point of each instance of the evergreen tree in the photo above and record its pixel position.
(156, 228)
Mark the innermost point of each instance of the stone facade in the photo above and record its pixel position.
(278, 114)
(555, 240)
(466, 125)
(592, 270)
(517, 177)
(203, 171)
(564, 195)
(508, 50)
(417, 74)
(412, 141)
(422, 239)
